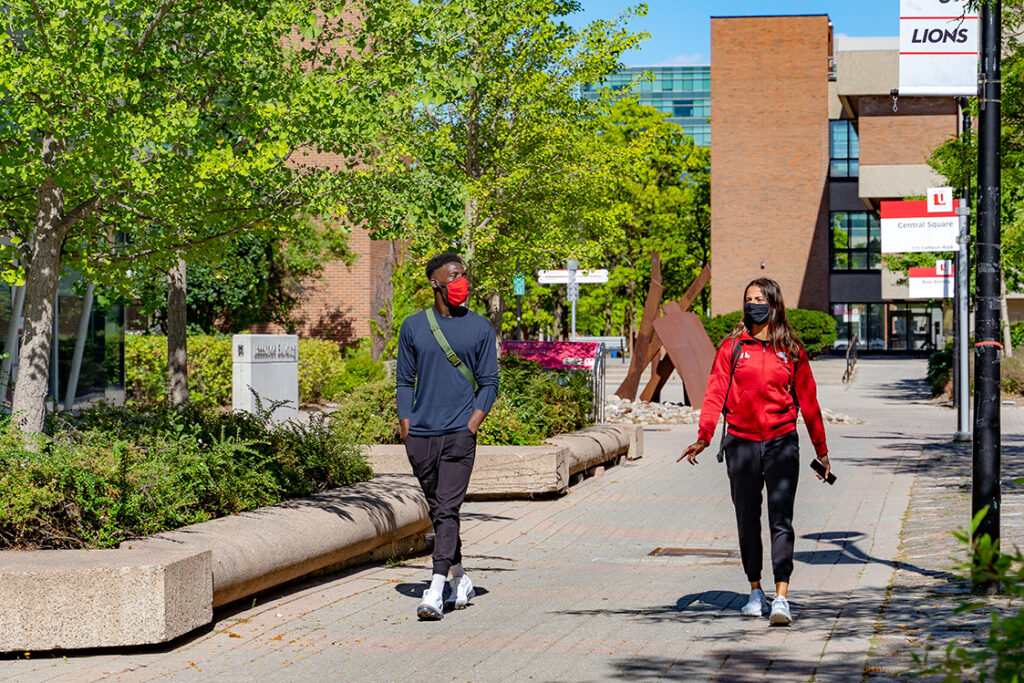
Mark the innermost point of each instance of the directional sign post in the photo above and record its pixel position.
(572, 277)
(921, 225)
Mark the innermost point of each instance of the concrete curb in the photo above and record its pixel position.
(67, 599)
(261, 549)
(524, 471)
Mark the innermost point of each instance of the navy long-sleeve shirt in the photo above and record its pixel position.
(432, 393)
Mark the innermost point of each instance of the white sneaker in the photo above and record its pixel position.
(755, 605)
(780, 611)
(431, 608)
(462, 592)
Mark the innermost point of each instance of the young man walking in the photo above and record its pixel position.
(447, 380)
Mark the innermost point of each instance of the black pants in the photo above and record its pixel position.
(443, 465)
(752, 466)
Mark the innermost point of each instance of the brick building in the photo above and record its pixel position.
(805, 145)
(344, 302)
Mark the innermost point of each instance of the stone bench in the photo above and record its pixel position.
(523, 471)
(67, 599)
(154, 589)
(261, 549)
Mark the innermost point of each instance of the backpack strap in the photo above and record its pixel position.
(736, 348)
(447, 348)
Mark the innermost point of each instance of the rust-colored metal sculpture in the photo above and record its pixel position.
(639, 361)
(681, 334)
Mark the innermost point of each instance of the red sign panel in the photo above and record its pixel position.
(555, 355)
(912, 208)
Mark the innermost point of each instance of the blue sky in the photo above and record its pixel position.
(680, 29)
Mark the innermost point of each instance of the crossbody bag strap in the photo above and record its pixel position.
(447, 348)
(737, 347)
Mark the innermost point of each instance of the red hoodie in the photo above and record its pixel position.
(761, 406)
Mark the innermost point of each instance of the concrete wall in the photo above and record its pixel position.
(897, 180)
(907, 135)
(769, 157)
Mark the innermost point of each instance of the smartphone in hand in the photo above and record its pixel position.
(820, 469)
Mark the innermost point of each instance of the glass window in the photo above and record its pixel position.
(856, 240)
(844, 150)
(862, 320)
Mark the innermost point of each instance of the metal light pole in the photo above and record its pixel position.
(961, 376)
(986, 462)
(573, 291)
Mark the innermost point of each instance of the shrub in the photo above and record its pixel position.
(1001, 658)
(533, 404)
(209, 369)
(815, 330)
(368, 414)
(360, 368)
(544, 402)
(323, 373)
(116, 473)
(719, 326)
(320, 364)
(1011, 372)
(1017, 335)
(940, 368)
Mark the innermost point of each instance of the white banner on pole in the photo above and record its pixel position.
(561, 277)
(938, 47)
(932, 283)
(908, 225)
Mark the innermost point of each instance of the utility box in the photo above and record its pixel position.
(267, 364)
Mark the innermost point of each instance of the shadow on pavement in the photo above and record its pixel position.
(744, 666)
(415, 590)
(847, 552)
(905, 390)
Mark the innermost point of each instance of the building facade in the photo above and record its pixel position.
(681, 92)
(807, 144)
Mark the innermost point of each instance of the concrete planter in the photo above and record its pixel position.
(524, 471)
(154, 589)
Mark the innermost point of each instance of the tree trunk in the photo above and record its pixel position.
(177, 345)
(41, 278)
(556, 327)
(495, 312)
(382, 303)
(1005, 312)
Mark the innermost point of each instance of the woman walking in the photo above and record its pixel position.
(761, 377)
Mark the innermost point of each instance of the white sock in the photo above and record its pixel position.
(457, 571)
(437, 583)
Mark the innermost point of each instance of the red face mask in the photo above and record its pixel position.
(457, 291)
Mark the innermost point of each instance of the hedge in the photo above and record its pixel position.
(325, 374)
(532, 405)
(815, 330)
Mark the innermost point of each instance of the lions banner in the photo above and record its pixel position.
(938, 48)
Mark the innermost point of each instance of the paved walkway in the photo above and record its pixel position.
(568, 589)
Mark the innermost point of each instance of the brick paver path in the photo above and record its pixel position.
(568, 590)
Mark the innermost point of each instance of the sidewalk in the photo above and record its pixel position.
(568, 590)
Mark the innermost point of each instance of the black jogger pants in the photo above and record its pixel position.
(442, 464)
(752, 466)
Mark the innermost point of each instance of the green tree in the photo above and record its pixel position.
(177, 124)
(505, 164)
(256, 280)
(664, 198)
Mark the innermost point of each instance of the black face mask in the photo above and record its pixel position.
(757, 313)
